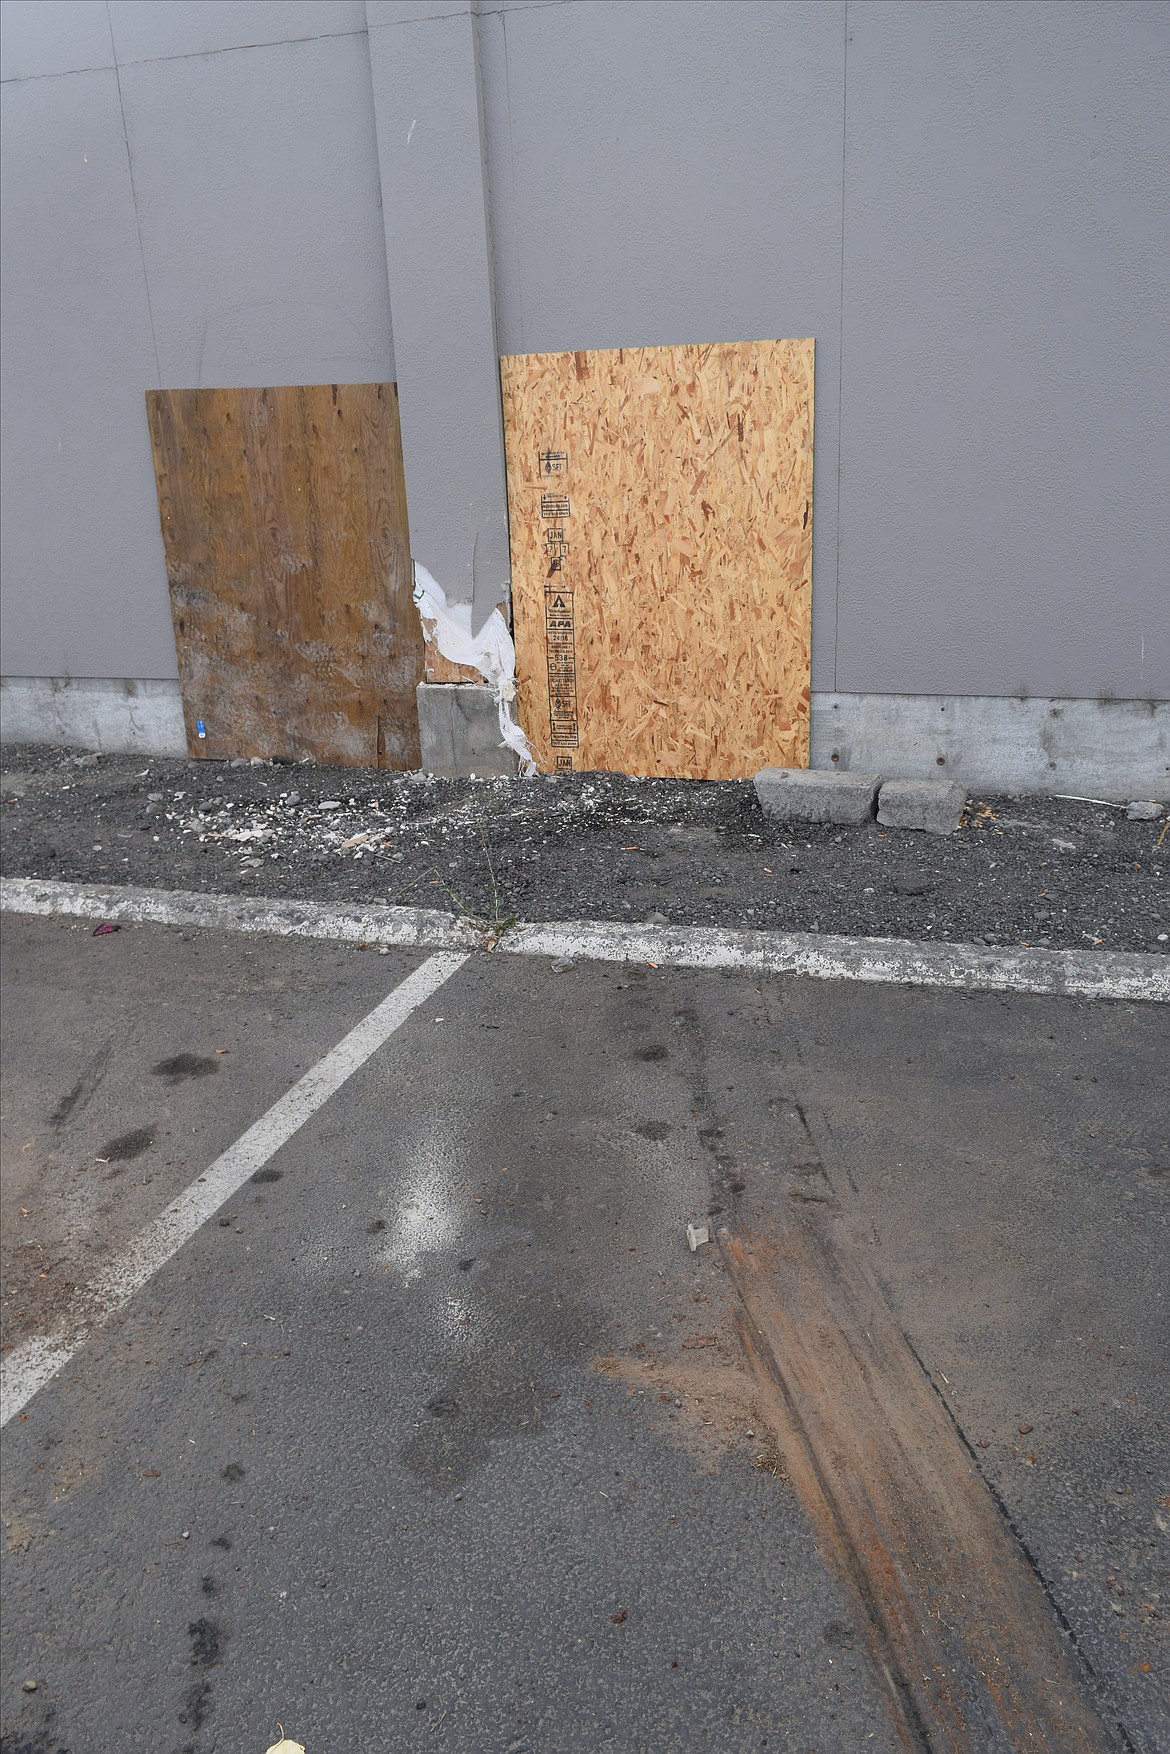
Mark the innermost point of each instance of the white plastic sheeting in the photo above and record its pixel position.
(490, 651)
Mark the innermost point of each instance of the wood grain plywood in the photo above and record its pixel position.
(660, 505)
(288, 559)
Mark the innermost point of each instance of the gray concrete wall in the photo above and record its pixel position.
(670, 172)
(1004, 520)
(964, 203)
(190, 197)
(424, 63)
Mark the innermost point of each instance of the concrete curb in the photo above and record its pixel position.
(1085, 974)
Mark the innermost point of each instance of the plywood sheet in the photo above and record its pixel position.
(288, 559)
(660, 504)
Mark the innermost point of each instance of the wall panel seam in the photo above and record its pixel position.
(66, 73)
(327, 36)
(134, 199)
(512, 164)
(841, 332)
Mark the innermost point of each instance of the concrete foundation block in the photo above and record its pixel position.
(935, 806)
(112, 716)
(801, 794)
(459, 730)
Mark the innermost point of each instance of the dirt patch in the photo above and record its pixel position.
(40, 1288)
(705, 1399)
(19, 1534)
(1041, 871)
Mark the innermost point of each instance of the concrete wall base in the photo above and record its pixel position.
(115, 717)
(1114, 749)
(459, 730)
(1104, 749)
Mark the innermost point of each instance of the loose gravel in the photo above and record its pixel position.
(1030, 870)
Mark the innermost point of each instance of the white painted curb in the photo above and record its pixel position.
(1085, 974)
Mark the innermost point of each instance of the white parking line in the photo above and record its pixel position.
(971, 968)
(30, 1365)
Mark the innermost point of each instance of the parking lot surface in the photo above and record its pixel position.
(436, 1434)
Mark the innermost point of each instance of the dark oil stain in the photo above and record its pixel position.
(267, 1174)
(206, 1642)
(467, 1265)
(376, 1227)
(223, 1541)
(128, 1145)
(233, 1471)
(209, 1585)
(196, 1704)
(182, 1066)
(653, 1053)
(654, 1129)
(507, 1393)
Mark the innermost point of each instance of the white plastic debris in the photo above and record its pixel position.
(490, 651)
(697, 1235)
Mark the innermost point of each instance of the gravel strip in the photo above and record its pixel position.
(1032, 871)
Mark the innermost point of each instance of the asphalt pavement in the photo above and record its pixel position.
(438, 1435)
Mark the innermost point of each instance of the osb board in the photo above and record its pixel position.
(660, 503)
(284, 523)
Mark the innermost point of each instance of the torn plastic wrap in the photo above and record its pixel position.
(490, 651)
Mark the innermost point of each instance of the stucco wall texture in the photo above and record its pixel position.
(965, 203)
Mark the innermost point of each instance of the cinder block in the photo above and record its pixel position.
(459, 730)
(933, 805)
(801, 794)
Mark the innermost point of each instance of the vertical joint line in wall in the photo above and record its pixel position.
(134, 199)
(481, 123)
(841, 333)
(381, 191)
(512, 163)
